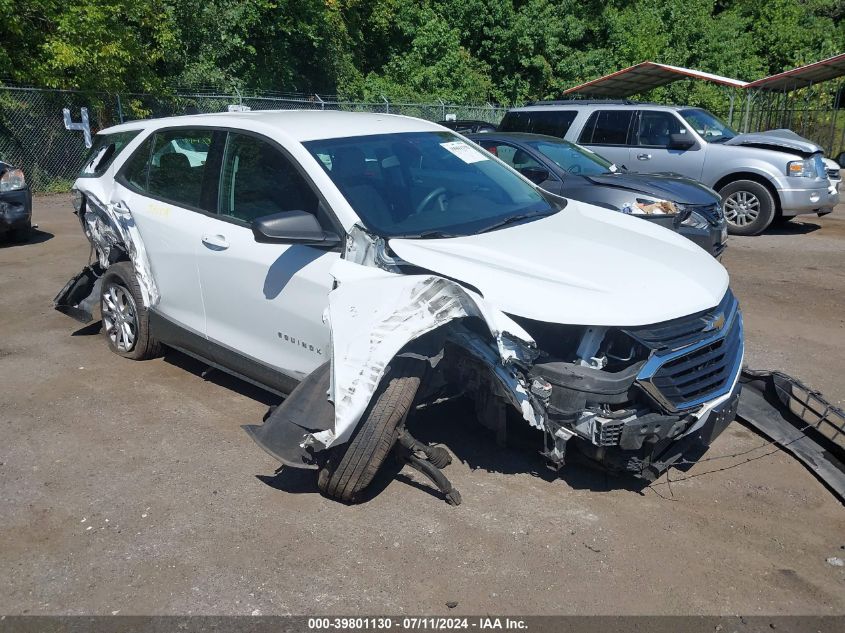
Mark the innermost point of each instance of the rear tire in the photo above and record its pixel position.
(126, 323)
(352, 466)
(749, 207)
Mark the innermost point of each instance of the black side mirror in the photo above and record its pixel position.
(292, 227)
(535, 174)
(841, 159)
(681, 141)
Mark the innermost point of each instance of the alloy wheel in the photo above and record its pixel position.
(742, 208)
(120, 317)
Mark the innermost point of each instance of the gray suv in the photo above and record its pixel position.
(760, 176)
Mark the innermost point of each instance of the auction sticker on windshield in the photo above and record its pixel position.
(465, 152)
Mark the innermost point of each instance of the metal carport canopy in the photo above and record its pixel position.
(803, 76)
(645, 76)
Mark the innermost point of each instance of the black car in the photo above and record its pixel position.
(572, 171)
(469, 126)
(15, 204)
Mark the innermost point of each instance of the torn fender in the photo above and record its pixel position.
(373, 314)
(110, 227)
(114, 236)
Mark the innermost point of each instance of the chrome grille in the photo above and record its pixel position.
(833, 174)
(683, 378)
(681, 332)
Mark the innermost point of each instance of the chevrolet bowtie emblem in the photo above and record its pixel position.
(715, 322)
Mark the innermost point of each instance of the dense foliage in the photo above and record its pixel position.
(467, 51)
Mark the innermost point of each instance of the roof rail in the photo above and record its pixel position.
(586, 102)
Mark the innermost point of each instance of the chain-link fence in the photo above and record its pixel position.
(818, 116)
(33, 136)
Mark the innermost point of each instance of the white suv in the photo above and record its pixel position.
(366, 265)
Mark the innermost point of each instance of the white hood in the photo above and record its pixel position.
(584, 265)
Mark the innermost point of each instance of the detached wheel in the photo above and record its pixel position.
(749, 207)
(125, 320)
(351, 467)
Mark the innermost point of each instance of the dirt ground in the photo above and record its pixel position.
(130, 488)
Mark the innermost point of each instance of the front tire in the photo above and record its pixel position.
(126, 324)
(749, 207)
(352, 466)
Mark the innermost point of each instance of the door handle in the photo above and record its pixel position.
(215, 242)
(643, 156)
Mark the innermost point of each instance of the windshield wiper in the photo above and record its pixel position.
(516, 218)
(426, 235)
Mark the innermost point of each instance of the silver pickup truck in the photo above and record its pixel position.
(762, 177)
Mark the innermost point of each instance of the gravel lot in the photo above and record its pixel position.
(130, 488)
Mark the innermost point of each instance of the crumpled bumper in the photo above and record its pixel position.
(15, 209)
(653, 458)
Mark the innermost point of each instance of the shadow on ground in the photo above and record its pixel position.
(220, 378)
(453, 425)
(36, 237)
(794, 227)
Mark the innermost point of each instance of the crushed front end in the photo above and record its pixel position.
(638, 399)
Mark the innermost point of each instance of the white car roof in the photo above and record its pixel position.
(299, 125)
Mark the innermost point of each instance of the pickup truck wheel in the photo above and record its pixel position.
(352, 466)
(126, 323)
(749, 207)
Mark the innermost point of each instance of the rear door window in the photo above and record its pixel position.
(104, 150)
(178, 168)
(607, 127)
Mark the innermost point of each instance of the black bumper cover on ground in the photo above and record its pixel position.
(799, 420)
(306, 410)
(80, 295)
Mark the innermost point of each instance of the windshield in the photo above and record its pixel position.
(708, 126)
(426, 184)
(574, 159)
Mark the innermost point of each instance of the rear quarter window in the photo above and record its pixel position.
(104, 150)
(549, 122)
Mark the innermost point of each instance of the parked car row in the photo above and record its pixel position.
(761, 177)
(368, 265)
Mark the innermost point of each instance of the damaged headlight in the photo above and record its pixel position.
(649, 206)
(696, 221)
(12, 180)
(512, 349)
